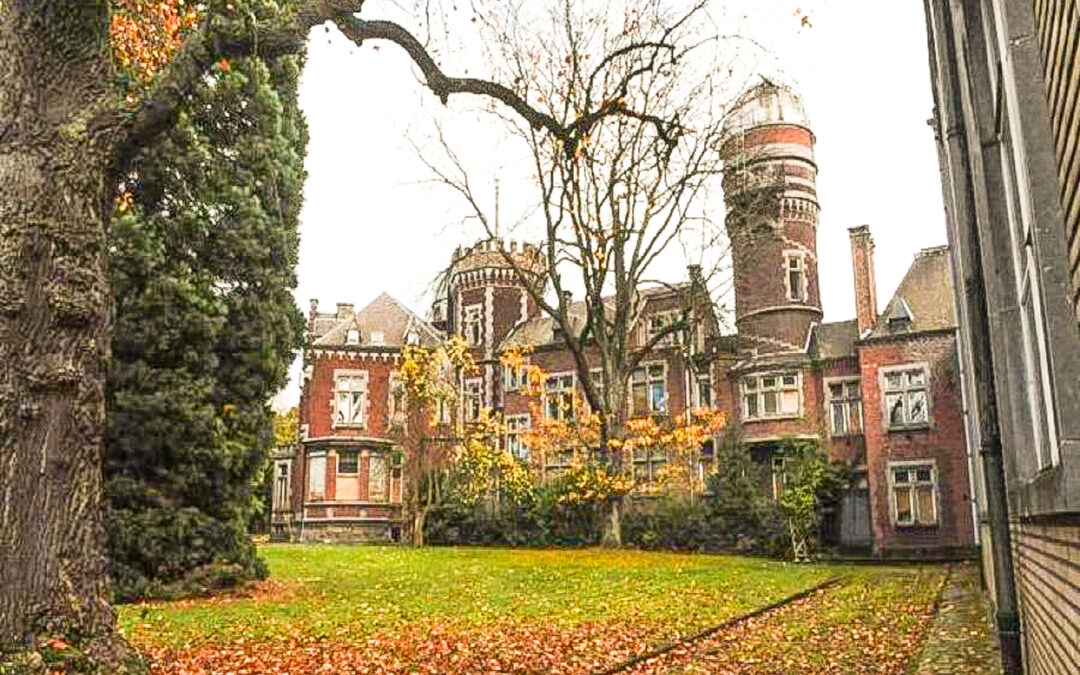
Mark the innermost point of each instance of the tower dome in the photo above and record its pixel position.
(770, 191)
(766, 103)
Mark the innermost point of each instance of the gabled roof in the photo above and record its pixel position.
(924, 301)
(385, 316)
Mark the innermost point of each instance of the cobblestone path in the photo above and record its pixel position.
(961, 639)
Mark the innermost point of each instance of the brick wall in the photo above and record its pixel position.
(1057, 25)
(316, 408)
(1047, 564)
(941, 441)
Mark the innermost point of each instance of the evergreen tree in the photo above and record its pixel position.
(202, 264)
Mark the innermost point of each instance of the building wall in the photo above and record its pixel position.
(317, 403)
(1048, 581)
(1006, 126)
(941, 441)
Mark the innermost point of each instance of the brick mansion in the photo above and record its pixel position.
(880, 391)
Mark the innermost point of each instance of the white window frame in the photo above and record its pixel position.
(905, 390)
(846, 401)
(472, 398)
(760, 391)
(706, 381)
(473, 325)
(515, 377)
(799, 257)
(316, 486)
(566, 383)
(515, 425)
(1039, 394)
(341, 396)
(654, 407)
(911, 466)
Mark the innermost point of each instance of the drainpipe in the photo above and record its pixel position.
(959, 192)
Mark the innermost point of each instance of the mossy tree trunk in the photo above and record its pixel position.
(56, 195)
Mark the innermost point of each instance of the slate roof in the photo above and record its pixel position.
(386, 315)
(924, 301)
(836, 339)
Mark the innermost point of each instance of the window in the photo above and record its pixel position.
(795, 275)
(378, 337)
(317, 477)
(348, 461)
(474, 329)
(778, 476)
(350, 397)
(773, 395)
(707, 462)
(352, 337)
(659, 322)
(396, 400)
(515, 425)
(377, 478)
(648, 464)
(906, 401)
(559, 397)
(281, 486)
(514, 377)
(472, 399)
(844, 403)
(913, 487)
(648, 389)
(1036, 394)
(704, 391)
(443, 413)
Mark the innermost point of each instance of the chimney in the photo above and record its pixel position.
(344, 310)
(314, 302)
(862, 265)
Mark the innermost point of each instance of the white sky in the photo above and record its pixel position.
(372, 220)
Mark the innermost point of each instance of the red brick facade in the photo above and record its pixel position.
(784, 375)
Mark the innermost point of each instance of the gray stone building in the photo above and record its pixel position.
(1007, 120)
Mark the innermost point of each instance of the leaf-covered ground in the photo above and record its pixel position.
(339, 609)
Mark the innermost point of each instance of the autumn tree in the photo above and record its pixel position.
(431, 379)
(628, 167)
(650, 456)
(71, 131)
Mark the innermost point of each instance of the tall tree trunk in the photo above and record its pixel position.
(55, 199)
(612, 536)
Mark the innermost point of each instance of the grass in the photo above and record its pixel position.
(349, 592)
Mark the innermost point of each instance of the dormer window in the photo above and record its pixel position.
(795, 275)
(377, 337)
(352, 336)
(899, 315)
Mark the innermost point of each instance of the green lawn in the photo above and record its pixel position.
(347, 592)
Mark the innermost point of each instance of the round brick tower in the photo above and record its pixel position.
(772, 215)
(485, 298)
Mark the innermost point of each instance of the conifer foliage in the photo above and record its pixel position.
(203, 249)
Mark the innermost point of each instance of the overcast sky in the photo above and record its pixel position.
(372, 220)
